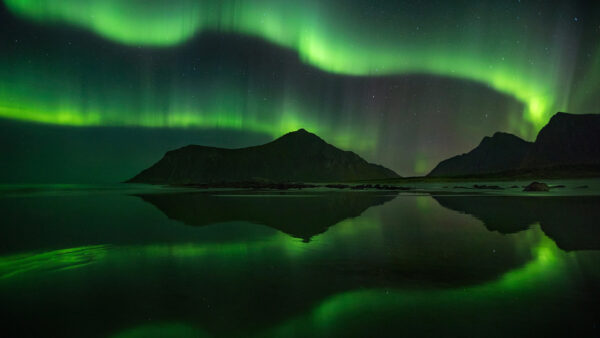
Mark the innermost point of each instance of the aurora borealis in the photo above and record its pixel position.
(94, 91)
(404, 84)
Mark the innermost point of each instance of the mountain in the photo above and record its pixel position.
(501, 152)
(569, 145)
(298, 156)
(567, 140)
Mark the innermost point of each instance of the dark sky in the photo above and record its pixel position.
(94, 91)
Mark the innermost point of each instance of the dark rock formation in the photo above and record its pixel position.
(256, 185)
(567, 140)
(495, 154)
(487, 187)
(537, 186)
(568, 146)
(378, 187)
(298, 156)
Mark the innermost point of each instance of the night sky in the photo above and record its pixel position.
(96, 90)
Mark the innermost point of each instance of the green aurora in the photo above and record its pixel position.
(149, 69)
(320, 42)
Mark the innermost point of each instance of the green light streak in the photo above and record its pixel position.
(421, 165)
(71, 258)
(288, 121)
(64, 99)
(321, 37)
(57, 260)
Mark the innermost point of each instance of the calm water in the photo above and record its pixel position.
(145, 261)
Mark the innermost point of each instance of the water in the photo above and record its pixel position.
(131, 260)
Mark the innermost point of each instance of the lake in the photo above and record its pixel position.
(140, 261)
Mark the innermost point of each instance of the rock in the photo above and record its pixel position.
(492, 187)
(567, 140)
(568, 146)
(252, 185)
(537, 186)
(498, 153)
(337, 186)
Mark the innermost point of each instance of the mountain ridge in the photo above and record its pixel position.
(298, 156)
(569, 145)
(484, 158)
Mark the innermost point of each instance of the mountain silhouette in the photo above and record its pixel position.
(567, 140)
(298, 156)
(499, 153)
(569, 145)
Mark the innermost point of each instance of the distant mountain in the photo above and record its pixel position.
(298, 156)
(499, 153)
(568, 139)
(569, 145)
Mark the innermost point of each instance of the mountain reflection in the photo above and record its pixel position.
(571, 221)
(301, 216)
(407, 255)
(409, 241)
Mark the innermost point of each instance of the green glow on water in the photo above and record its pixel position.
(547, 263)
(541, 275)
(72, 258)
(57, 260)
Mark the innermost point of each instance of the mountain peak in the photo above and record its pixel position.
(298, 156)
(500, 134)
(567, 140)
(300, 131)
(301, 135)
(501, 138)
(561, 114)
(568, 120)
(496, 153)
(568, 144)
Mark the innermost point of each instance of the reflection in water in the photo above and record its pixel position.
(520, 303)
(50, 261)
(405, 267)
(571, 221)
(302, 215)
(400, 242)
